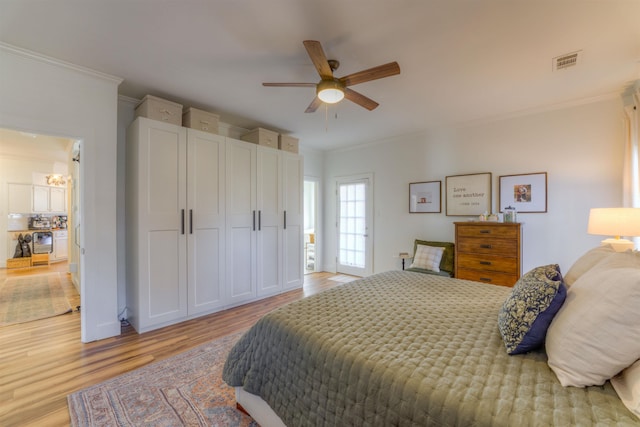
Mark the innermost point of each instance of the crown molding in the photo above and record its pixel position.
(18, 51)
(128, 99)
(541, 109)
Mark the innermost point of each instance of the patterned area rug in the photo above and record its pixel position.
(23, 299)
(184, 390)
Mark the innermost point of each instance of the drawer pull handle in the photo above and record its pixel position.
(485, 231)
(485, 279)
(485, 262)
(485, 246)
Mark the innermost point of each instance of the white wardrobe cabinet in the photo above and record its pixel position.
(212, 222)
(175, 217)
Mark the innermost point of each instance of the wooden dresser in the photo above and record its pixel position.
(488, 252)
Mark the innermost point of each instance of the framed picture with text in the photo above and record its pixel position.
(468, 195)
(425, 197)
(527, 193)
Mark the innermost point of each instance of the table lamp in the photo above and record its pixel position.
(615, 222)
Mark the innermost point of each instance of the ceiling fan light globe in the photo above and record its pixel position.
(330, 91)
(331, 96)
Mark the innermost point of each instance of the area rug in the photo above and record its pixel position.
(184, 390)
(23, 299)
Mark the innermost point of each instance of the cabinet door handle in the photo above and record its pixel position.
(182, 220)
(259, 220)
(485, 246)
(485, 262)
(254, 220)
(285, 220)
(190, 221)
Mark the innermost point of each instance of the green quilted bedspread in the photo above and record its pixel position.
(406, 349)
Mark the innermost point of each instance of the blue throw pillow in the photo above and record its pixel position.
(527, 313)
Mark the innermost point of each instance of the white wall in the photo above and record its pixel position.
(580, 148)
(45, 96)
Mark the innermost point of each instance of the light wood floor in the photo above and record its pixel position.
(43, 361)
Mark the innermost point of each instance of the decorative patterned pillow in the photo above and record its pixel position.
(527, 313)
(427, 257)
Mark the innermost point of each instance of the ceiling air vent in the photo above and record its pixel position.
(566, 61)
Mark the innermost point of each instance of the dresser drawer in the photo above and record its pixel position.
(488, 263)
(488, 231)
(488, 246)
(492, 277)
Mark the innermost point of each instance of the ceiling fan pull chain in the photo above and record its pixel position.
(326, 117)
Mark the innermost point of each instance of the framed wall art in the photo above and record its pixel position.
(526, 193)
(425, 197)
(468, 195)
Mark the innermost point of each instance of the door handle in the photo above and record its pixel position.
(182, 221)
(190, 221)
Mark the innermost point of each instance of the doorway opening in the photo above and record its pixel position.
(310, 207)
(39, 181)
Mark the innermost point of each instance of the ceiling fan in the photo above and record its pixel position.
(331, 89)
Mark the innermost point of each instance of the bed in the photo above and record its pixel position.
(407, 349)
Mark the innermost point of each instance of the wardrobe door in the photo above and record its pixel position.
(156, 229)
(205, 221)
(242, 221)
(270, 221)
(293, 221)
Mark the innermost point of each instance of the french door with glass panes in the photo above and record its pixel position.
(354, 224)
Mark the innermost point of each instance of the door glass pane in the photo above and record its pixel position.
(352, 224)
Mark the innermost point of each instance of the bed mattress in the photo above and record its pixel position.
(406, 349)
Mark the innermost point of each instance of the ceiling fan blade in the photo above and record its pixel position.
(386, 70)
(319, 59)
(360, 99)
(289, 84)
(314, 105)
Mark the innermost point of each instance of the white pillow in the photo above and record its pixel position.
(586, 262)
(427, 257)
(596, 333)
(627, 385)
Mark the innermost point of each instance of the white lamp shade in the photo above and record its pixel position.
(614, 222)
